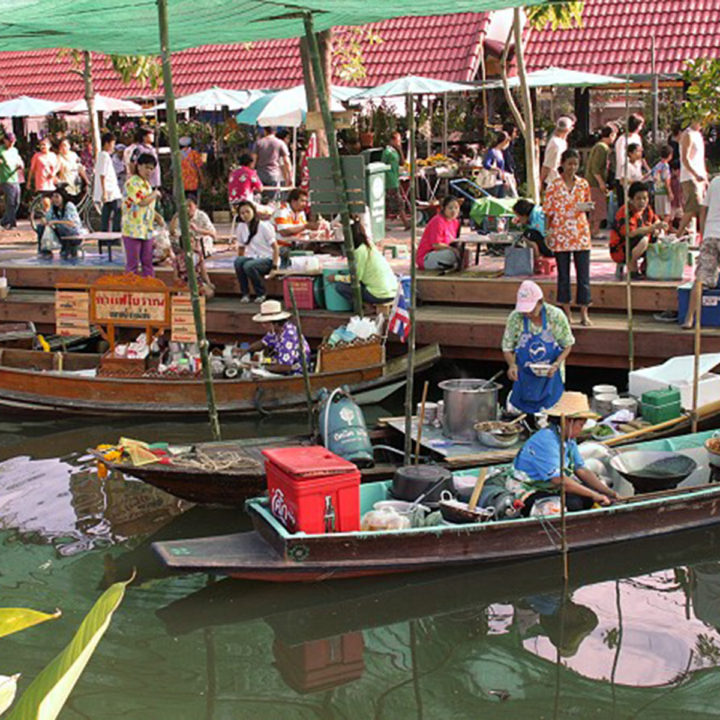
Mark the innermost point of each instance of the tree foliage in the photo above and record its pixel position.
(702, 76)
(348, 54)
(143, 69)
(558, 15)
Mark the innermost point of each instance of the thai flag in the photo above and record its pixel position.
(400, 317)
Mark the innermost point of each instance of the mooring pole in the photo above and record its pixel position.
(410, 377)
(628, 247)
(303, 360)
(179, 192)
(321, 83)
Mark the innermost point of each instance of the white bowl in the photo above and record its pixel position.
(540, 369)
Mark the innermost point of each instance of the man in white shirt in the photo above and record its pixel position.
(632, 136)
(106, 190)
(693, 173)
(708, 262)
(554, 150)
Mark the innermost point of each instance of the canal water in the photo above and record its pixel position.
(635, 637)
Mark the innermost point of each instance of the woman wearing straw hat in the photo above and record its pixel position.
(282, 340)
(539, 459)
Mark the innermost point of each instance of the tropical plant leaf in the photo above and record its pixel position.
(14, 620)
(46, 695)
(8, 688)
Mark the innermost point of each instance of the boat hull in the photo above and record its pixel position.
(51, 390)
(267, 555)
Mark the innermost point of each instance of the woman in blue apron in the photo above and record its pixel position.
(536, 334)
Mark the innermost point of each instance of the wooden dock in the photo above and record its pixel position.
(465, 314)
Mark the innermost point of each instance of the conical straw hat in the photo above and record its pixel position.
(573, 405)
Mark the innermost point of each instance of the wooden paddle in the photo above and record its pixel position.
(477, 489)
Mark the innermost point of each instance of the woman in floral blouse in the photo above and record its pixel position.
(567, 202)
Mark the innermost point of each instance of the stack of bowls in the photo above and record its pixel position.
(603, 396)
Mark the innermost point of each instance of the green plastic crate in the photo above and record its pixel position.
(658, 406)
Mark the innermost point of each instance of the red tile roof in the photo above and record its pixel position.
(616, 37)
(441, 46)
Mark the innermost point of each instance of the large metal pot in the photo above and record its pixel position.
(467, 402)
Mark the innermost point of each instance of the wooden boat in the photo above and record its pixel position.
(66, 383)
(222, 474)
(272, 553)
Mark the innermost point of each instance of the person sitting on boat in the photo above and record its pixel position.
(643, 225)
(536, 343)
(282, 340)
(532, 220)
(538, 462)
(378, 282)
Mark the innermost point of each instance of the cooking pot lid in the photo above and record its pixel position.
(423, 473)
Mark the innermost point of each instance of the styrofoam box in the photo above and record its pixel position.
(678, 373)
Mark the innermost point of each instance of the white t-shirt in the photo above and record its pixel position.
(712, 203)
(620, 144)
(553, 152)
(635, 171)
(261, 245)
(105, 168)
(696, 156)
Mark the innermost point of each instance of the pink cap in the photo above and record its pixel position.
(528, 296)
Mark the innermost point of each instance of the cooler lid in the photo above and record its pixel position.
(308, 461)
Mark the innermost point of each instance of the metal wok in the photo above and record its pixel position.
(652, 470)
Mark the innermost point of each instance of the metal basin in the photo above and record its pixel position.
(467, 402)
(649, 471)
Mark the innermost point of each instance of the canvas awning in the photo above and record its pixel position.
(103, 103)
(411, 85)
(216, 98)
(130, 27)
(285, 107)
(560, 77)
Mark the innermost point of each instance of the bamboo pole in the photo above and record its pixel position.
(628, 249)
(334, 153)
(696, 367)
(563, 497)
(183, 217)
(655, 91)
(413, 284)
(303, 359)
(421, 420)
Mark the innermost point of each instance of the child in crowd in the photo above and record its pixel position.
(244, 181)
(662, 182)
(532, 219)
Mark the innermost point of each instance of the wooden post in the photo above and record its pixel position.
(696, 369)
(90, 101)
(179, 191)
(628, 248)
(413, 284)
(303, 360)
(334, 153)
(655, 92)
(563, 496)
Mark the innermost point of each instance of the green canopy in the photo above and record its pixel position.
(129, 27)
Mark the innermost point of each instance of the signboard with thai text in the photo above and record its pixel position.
(124, 307)
(182, 320)
(72, 313)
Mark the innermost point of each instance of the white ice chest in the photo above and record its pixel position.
(678, 372)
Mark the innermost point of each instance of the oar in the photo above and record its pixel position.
(477, 489)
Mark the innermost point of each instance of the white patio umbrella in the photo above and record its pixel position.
(103, 103)
(215, 98)
(25, 106)
(286, 107)
(411, 85)
(560, 77)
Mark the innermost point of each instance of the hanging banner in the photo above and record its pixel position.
(182, 321)
(72, 313)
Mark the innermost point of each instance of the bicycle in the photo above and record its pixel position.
(88, 210)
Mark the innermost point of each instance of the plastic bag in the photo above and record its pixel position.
(666, 260)
(385, 519)
(48, 240)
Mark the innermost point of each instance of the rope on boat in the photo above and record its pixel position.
(218, 462)
(547, 528)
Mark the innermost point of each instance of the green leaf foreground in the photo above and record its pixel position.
(14, 620)
(47, 693)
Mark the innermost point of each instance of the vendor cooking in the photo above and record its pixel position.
(537, 465)
(537, 335)
(282, 340)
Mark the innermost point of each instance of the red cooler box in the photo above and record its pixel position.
(312, 490)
